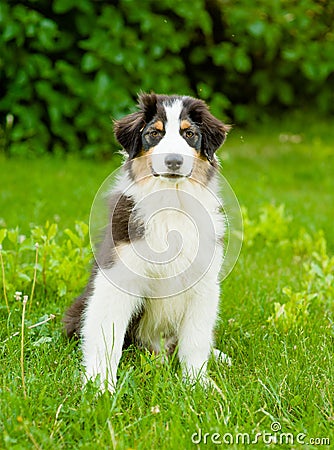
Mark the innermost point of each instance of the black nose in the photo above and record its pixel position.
(174, 161)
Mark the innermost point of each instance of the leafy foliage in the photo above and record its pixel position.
(67, 66)
(271, 226)
(316, 290)
(61, 264)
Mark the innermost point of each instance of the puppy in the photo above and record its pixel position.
(155, 279)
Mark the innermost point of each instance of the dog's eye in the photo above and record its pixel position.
(189, 134)
(154, 133)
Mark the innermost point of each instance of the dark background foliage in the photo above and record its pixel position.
(68, 67)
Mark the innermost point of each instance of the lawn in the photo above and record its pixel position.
(276, 318)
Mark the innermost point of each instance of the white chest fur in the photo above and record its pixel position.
(179, 254)
(183, 230)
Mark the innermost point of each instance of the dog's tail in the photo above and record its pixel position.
(73, 317)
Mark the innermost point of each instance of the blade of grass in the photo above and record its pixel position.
(25, 300)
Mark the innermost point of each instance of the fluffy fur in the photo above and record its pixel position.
(154, 282)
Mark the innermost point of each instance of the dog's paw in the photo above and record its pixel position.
(101, 383)
(194, 377)
(222, 357)
(202, 380)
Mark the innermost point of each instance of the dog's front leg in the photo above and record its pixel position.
(106, 318)
(196, 334)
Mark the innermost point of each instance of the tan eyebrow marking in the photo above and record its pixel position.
(159, 125)
(185, 124)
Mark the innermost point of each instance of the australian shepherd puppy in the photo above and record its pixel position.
(155, 279)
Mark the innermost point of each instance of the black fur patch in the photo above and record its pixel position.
(124, 226)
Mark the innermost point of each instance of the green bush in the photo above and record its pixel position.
(68, 67)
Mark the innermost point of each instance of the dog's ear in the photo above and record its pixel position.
(214, 133)
(213, 130)
(128, 130)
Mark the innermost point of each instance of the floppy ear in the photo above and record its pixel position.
(128, 130)
(213, 134)
(213, 130)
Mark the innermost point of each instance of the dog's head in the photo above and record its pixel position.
(173, 130)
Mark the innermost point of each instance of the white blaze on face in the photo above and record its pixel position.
(173, 143)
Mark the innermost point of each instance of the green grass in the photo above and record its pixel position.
(282, 365)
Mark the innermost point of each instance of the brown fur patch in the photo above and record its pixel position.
(203, 171)
(141, 167)
(185, 124)
(159, 125)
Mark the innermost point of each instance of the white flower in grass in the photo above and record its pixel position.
(155, 409)
(18, 295)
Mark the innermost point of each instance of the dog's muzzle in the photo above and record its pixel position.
(171, 165)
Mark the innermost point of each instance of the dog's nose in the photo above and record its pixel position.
(174, 161)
